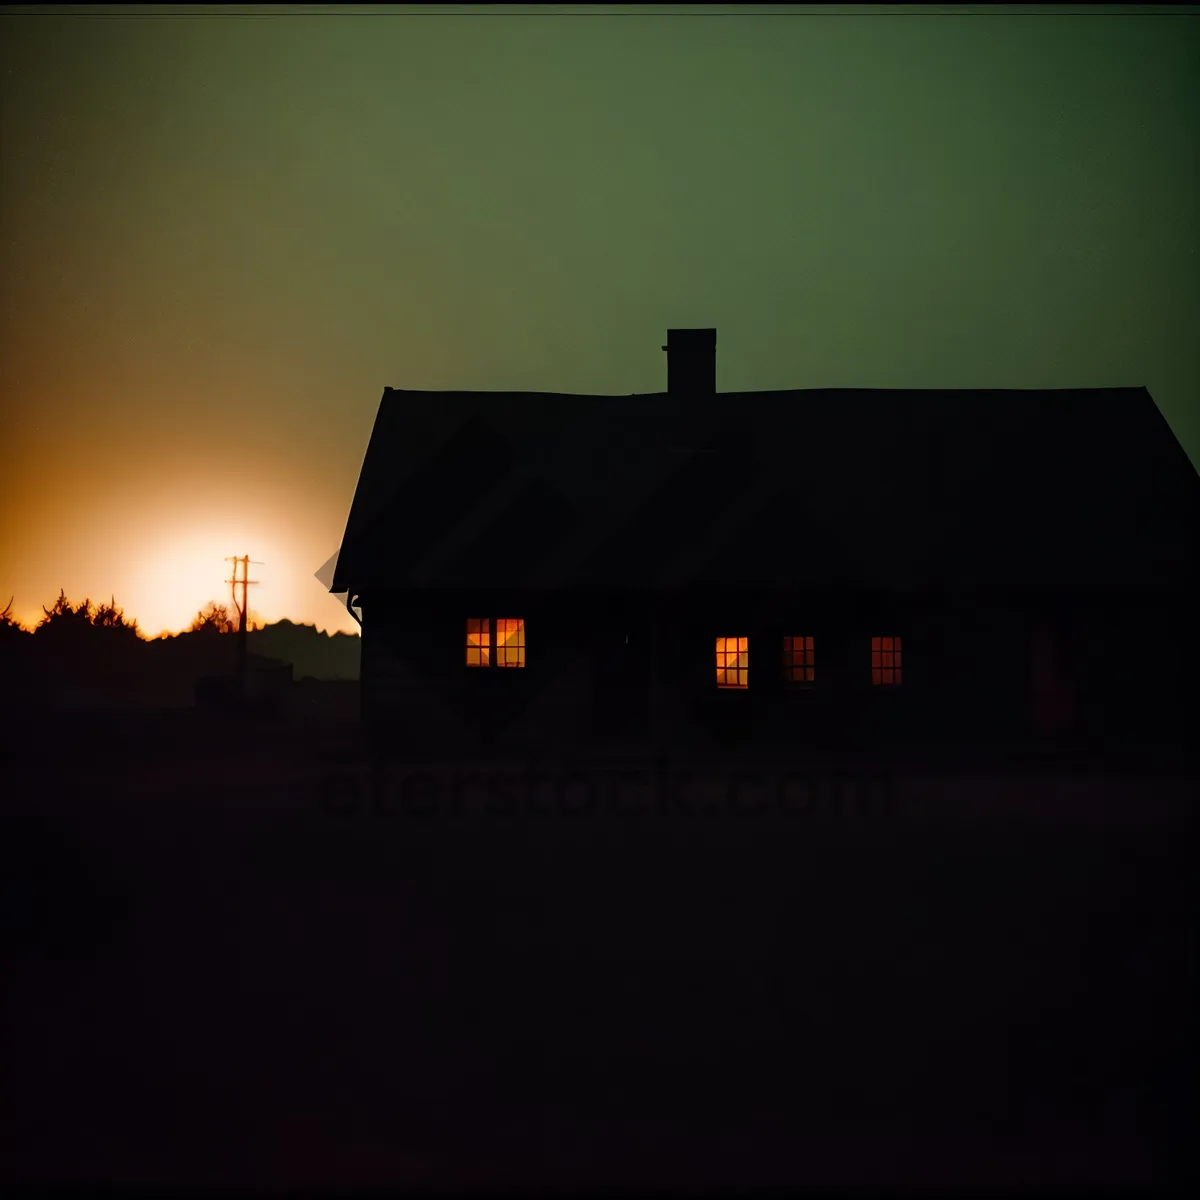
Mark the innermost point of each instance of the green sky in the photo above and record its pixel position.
(223, 233)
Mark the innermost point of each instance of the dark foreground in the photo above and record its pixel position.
(226, 971)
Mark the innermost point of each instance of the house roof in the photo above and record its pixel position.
(873, 489)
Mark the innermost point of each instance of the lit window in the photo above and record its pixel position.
(798, 659)
(479, 641)
(885, 660)
(733, 662)
(499, 643)
(510, 642)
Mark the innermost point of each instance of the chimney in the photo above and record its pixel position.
(691, 360)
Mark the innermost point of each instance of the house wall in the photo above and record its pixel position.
(610, 670)
(417, 685)
(1131, 663)
(842, 703)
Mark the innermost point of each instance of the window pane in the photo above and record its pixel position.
(885, 659)
(732, 661)
(477, 641)
(510, 642)
(798, 655)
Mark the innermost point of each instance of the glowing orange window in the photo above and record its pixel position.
(510, 642)
(733, 662)
(885, 660)
(479, 642)
(798, 659)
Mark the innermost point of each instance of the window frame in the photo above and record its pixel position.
(482, 646)
(886, 661)
(495, 652)
(739, 656)
(805, 665)
(501, 650)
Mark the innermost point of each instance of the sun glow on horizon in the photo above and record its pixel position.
(186, 574)
(166, 594)
(180, 579)
(163, 561)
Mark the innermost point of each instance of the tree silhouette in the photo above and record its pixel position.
(8, 623)
(214, 618)
(109, 616)
(15, 639)
(78, 644)
(64, 616)
(16, 651)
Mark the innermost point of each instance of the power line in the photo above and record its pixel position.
(244, 610)
(245, 582)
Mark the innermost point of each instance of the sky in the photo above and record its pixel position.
(224, 231)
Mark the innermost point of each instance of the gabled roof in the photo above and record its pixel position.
(874, 489)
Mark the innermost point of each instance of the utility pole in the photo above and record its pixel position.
(243, 610)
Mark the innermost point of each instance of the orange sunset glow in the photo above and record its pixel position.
(225, 237)
(163, 565)
(566, 342)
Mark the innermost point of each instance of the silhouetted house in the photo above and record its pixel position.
(793, 566)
